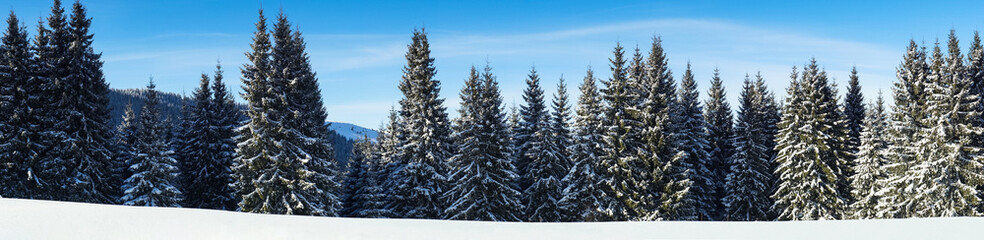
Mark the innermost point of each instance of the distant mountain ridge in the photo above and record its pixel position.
(344, 137)
(353, 132)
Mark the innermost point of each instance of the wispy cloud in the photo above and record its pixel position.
(373, 61)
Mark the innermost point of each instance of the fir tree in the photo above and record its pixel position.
(425, 144)
(720, 134)
(872, 155)
(154, 171)
(483, 185)
(583, 196)
(810, 150)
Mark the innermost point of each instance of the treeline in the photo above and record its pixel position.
(645, 147)
(639, 146)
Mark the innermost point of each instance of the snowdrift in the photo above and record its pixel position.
(33, 219)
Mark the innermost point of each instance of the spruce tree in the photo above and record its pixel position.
(77, 138)
(908, 111)
(660, 120)
(208, 146)
(854, 110)
(91, 128)
(305, 116)
(810, 150)
(389, 155)
(225, 118)
(20, 95)
(749, 181)
(368, 200)
(357, 178)
(272, 173)
(692, 141)
(126, 142)
(425, 143)
(192, 153)
(720, 134)
(583, 197)
(872, 155)
(620, 165)
(154, 172)
(483, 183)
(950, 166)
(560, 125)
(546, 167)
(532, 116)
(975, 74)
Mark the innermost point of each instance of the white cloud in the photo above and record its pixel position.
(735, 48)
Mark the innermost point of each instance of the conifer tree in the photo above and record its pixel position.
(620, 165)
(20, 149)
(126, 142)
(810, 150)
(872, 155)
(950, 166)
(854, 111)
(154, 172)
(749, 182)
(483, 185)
(512, 122)
(532, 116)
(975, 74)
(546, 167)
(583, 197)
(389, 155)
(560, 125)
(226, 118)
(908, 111)
(192, 151)
(208, 148)
(76, 137)
(357, 179)
(305, 117)
(80, 156)
(425, 144)
(720, 134)
(656, 111)
(692, 141)
(272, 173)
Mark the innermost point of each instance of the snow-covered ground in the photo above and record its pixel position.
(32, 219)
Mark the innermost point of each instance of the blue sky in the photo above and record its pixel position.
(357, 47)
